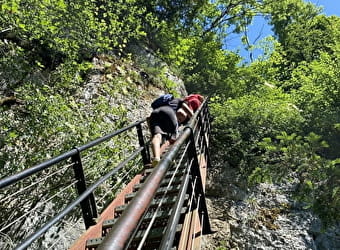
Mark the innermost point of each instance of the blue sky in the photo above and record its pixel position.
(331, 7)
(260, 29)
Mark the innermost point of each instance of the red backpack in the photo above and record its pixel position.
(194, 101)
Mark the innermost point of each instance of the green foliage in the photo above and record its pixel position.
(305, 41)
(45, 47)
(240, 123)
(316, 89)
(212, 70)
(295, 157)
(204, 66)
(273, 120)
(77, 25)
(197, 50)
(303, 34)
(282, 14)
(169, 85)
(47, 35)
(56, 113)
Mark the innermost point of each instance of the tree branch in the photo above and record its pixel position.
(220, 19)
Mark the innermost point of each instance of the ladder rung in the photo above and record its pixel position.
(108, 223)
(161, 215)
(163, 183)
(93, 243)
(169, 174)
(155, 233)
(160, 191)
(166, 202)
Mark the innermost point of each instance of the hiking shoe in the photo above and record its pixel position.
(155, 161)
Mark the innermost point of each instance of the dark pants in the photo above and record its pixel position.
(163, 120)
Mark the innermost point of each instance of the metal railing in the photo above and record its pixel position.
(193, 140)
(85, 194)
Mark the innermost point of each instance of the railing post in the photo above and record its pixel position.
(88, 205)
(145, 152)
(204, 135)
(208, 120)
(198, 189)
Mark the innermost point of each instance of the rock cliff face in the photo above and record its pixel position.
(138, 106)
(262, 217)
(148, 85)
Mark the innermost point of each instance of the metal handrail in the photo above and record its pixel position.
(76, 202)
(85, 195)
(37, 168)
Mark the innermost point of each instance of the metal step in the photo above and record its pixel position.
(161, 215)
(166, 203)
(164, 182)
(160, 191)
(169, 174)
(154, 238)
(94, 243)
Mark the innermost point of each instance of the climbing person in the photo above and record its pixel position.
(194, 101)
(164, 122)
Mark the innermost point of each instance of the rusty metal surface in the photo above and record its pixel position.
(96, 230)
